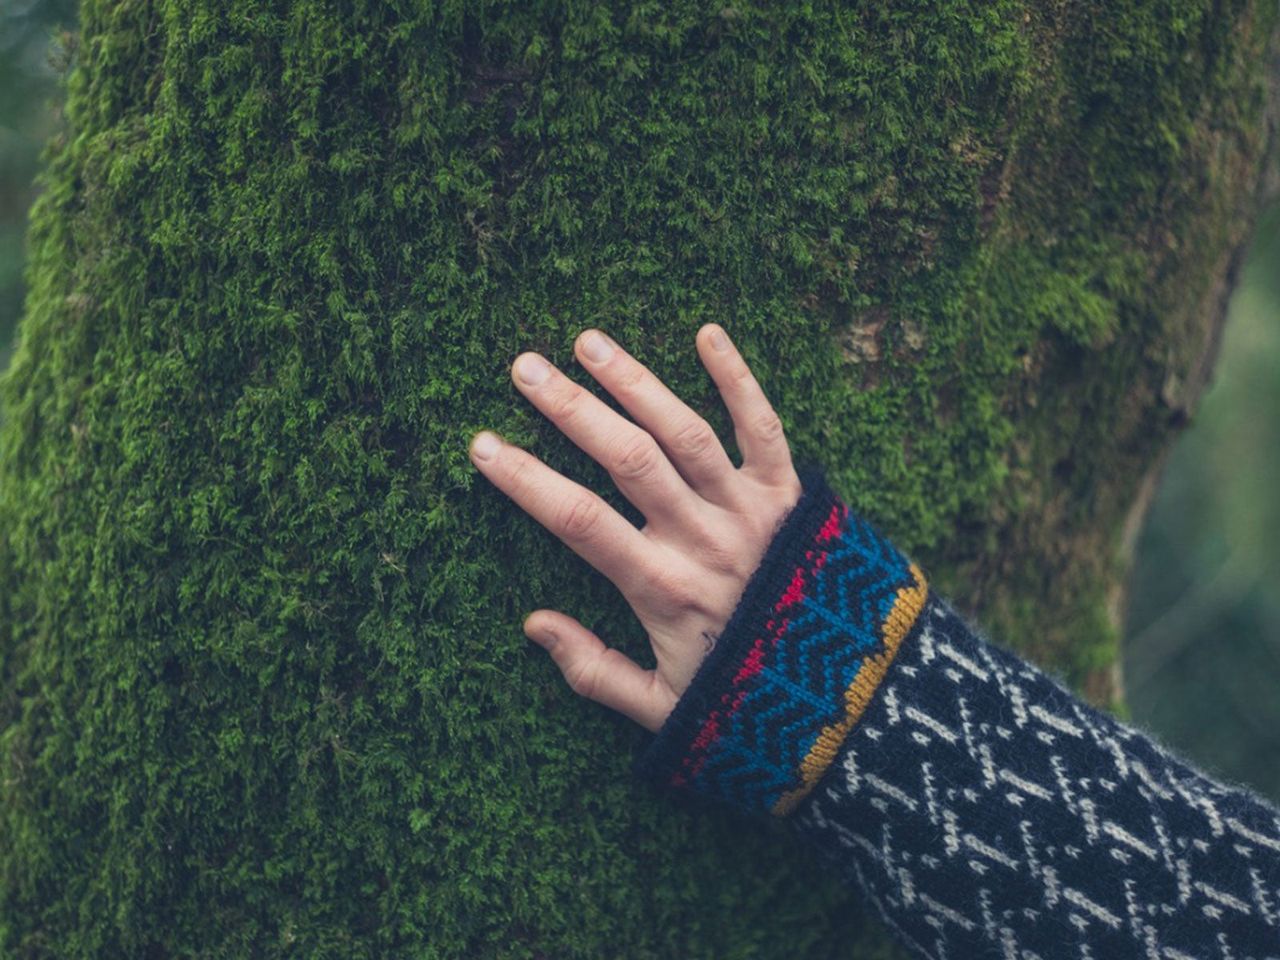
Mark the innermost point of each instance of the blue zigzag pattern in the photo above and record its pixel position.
(755, 757)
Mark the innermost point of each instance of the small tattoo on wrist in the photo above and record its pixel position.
(709, 640)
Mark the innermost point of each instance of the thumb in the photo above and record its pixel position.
(601, 673)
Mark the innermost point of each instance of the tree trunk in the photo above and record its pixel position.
(263, 687)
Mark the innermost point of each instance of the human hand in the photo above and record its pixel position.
(707, 526)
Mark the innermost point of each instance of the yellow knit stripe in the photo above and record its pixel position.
(906, 607)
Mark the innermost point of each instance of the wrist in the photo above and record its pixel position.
(818, 624)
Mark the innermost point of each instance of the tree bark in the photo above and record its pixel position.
(263, 687)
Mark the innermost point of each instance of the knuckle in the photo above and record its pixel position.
(579, 518)
(723, 547)
(638, 458)
(791, 491)
(583, 677)
(695, 439)
(740, 375)
(768, 426)
(632, 377)
(673, 590)
(724, 558)
(518, 469)
(565, 402)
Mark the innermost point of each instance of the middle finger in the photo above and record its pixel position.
(695, 450)
(633, 458)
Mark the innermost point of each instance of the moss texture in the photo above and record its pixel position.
(263, 688)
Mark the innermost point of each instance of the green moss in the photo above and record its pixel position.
(264, 688)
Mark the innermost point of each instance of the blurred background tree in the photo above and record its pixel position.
(28, 113)
(1202, 651)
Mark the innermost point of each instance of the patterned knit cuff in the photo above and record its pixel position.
(817, 626)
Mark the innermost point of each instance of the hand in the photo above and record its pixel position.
(708, 522)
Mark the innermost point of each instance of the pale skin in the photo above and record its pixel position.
(707, 522)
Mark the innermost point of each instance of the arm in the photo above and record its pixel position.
(982, 808)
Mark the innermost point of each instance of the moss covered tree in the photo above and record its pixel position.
(263, 688)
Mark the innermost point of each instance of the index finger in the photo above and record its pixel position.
(578, 516)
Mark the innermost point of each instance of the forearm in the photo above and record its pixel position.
(979, 805)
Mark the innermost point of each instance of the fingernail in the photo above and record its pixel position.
(596, 347)
(718, 340)
(485, 445)
(532, 369)
(543, 638)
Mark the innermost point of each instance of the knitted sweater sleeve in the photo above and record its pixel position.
(983, 809)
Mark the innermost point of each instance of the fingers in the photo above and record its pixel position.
(600, 673)
(687, 438)
(632, 456)
(579, 517)
(765, 452)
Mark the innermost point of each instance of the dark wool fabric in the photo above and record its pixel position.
(982, 808)
(809, 623)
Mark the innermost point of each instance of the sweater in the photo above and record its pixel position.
(980, 807)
